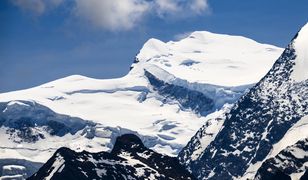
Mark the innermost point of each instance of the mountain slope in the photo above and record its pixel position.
(290, 162)
(258, 121)
(129, 159)
(165, 98)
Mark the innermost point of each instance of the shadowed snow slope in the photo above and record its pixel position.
(165, 98)
(270, 117)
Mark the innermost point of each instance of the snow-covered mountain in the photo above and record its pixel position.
(129, 159)
(261, 125)
(171, 91)
(290, 163)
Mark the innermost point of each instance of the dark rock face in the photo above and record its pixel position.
(129, 159)
(276, 174)
(188, 99)
(136, 61)
(191, 152)
(256, 122)
(29, 120)
(305, 176)
(290, 160)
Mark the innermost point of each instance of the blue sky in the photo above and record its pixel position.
(43, 40)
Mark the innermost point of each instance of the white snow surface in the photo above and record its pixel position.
(203, 59)
(217, 59)
(300, 72)
(13, 172)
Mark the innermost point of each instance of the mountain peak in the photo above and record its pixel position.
(152, 47)
(68, 164)
(128, 142)
(257, 122)
(179, 83)
(198, 58)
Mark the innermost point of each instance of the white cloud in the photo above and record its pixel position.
(180, 8)
(118, 14)
(164, 7)
(37, 7)
(199, 6)
(111, 14)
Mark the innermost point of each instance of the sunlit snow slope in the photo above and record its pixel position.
(205, 57)
(165, 98)
(267, 127)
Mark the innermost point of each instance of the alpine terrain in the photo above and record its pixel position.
(171, 90)
(129, 159)
(264, 135)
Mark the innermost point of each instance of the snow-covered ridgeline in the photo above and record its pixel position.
(204, 136)
(300, 72)
(194, 66)
(129, 159)
(209, 58)
(258, 121)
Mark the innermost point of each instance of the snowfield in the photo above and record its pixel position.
(218, 68)
(205, 57)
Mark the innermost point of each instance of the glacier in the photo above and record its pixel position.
(172, 90)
